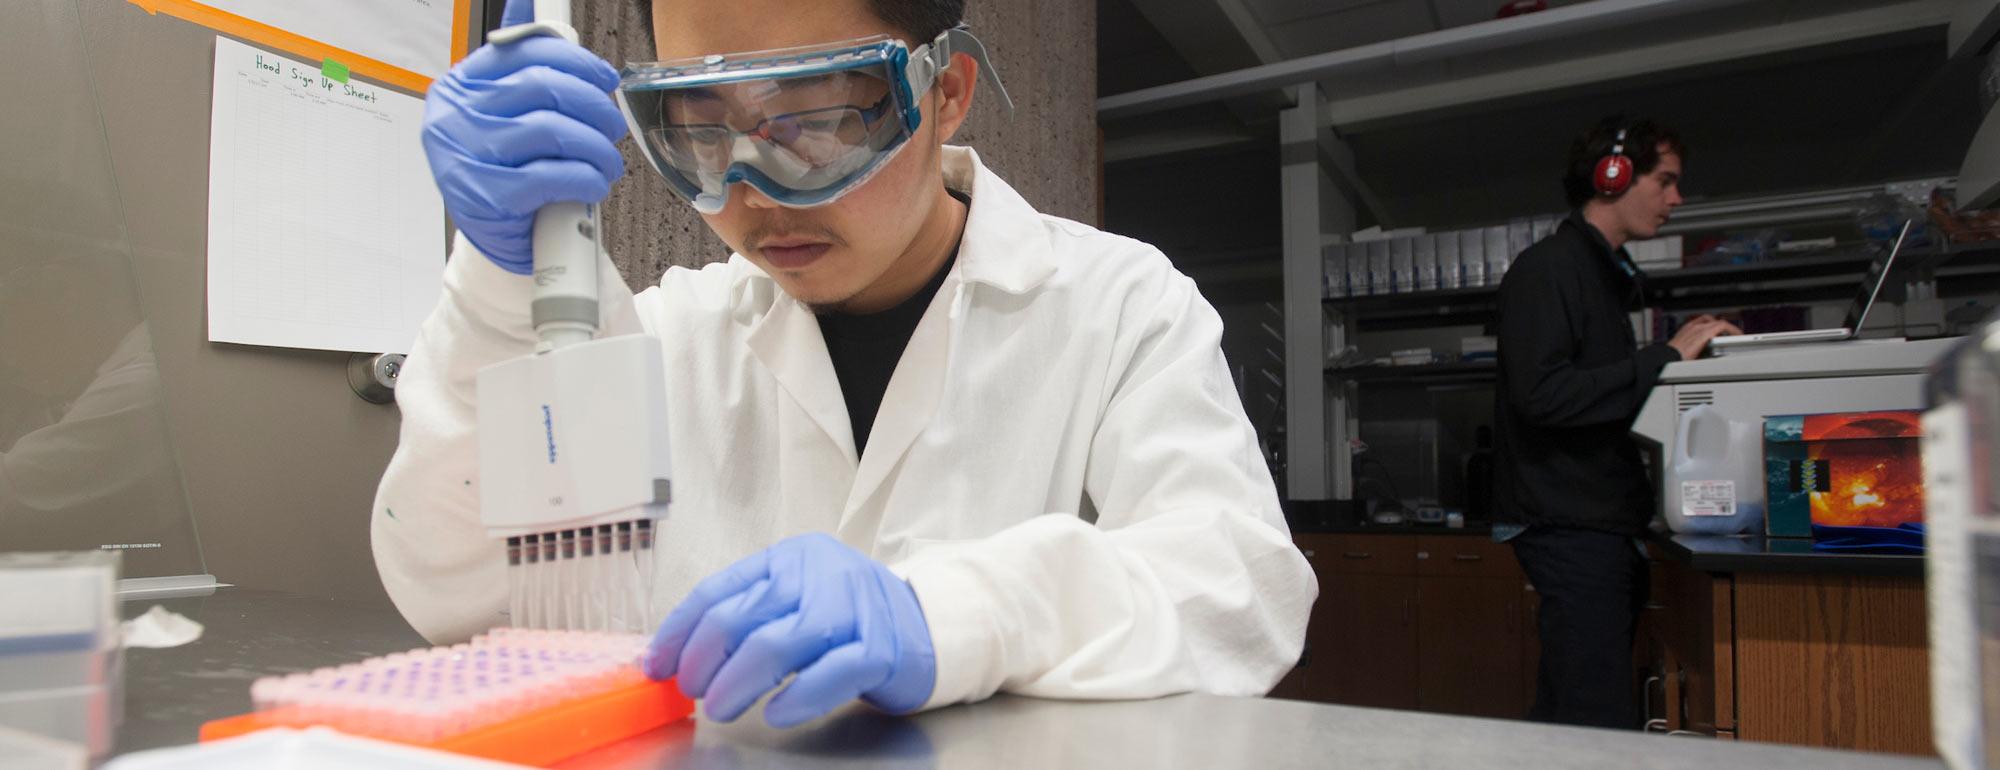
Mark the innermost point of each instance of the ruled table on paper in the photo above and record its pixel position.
(324, 228)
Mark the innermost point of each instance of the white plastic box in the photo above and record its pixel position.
(1520, 235)
(1333, 258)
(1426, 260)
(1545, 226)
(66, 600)
(1498, 255)
(1403, 264)
(1381, 275)
(1449, 274)
(61, 667)
(1357, 270)
(1472, 258)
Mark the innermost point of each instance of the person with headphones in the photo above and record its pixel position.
(1569, 490)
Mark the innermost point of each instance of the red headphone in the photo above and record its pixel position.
(1614, 171)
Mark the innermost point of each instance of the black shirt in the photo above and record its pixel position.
(1571, 381)
(866, 347)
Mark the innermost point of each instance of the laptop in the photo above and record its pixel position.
(1857, 313)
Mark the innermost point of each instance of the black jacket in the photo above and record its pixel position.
(1571, 380)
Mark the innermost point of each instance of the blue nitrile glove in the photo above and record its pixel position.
(518, 126)
(809, 605)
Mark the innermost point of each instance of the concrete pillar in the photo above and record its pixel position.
(1045, 50)
(1316, 425)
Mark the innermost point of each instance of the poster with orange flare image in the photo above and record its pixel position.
(1848, 469)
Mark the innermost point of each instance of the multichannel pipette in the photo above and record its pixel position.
(573, 466)
(532, 697)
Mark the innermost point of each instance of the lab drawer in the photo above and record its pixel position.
(1462, 556)
(1361, 554)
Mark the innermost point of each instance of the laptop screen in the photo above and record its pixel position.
(1871, 284)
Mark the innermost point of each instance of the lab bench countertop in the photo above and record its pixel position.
(170, 692)
(1757, 553)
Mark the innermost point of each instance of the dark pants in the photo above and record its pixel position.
(1592, 586)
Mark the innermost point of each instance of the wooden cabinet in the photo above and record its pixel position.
(1827, 660)
(1370, 642)
(1426, 622)
(1470, 647)
(1361, 643)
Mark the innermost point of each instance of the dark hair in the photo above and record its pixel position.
(1643, 139)
(920, 19)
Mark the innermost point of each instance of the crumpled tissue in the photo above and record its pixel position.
(160, 627)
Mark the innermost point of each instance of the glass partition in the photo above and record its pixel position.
(86, 461)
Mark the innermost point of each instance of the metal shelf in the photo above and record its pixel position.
(1817, 277)
(1481, 370)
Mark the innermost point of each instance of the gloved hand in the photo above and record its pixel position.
(811, 605)
(518, 126)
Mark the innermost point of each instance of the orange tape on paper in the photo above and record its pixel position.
(308, 48)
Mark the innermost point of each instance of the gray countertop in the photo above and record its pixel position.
(1757, 553)
(170, 692)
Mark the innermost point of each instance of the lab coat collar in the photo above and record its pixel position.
(1004, 245)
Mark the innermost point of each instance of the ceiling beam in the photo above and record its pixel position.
(1472, 39)
(1892, 24)
(1177, 141)
(1220, 36)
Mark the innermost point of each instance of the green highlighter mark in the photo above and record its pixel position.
(333, 70)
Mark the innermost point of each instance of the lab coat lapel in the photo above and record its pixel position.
(787, 341)
(910, 401)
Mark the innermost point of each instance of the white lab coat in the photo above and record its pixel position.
(1061, 467)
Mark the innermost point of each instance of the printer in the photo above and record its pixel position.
(1809, 378)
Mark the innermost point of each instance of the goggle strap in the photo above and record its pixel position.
(930, 59)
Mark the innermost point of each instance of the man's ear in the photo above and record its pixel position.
(955, 86)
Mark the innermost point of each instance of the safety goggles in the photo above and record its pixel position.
(802, 125)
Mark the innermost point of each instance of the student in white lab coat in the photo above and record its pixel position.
(928, 443)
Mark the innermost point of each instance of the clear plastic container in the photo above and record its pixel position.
(28, 751)
(85, 715)
(58, 601)
(1715, 482)
(60, 669)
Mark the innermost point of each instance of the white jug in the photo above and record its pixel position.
(1715, 484)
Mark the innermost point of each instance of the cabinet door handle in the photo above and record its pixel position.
(1309, 553)
(1357, 555)
(1468, 557)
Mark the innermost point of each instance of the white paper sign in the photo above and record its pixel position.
(324, 228)
(412, 34)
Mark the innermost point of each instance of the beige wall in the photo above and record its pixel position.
(1046, 52)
